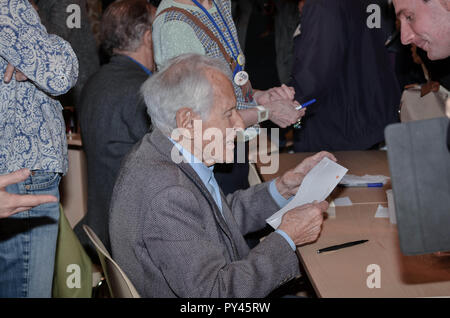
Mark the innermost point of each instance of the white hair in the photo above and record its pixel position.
(181, 82)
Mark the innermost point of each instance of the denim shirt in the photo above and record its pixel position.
(32, 129)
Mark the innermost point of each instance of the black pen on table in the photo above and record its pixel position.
(338, 247)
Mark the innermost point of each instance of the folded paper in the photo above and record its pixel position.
(316, 186)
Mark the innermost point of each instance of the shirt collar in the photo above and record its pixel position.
(146, 70)
(204, 172)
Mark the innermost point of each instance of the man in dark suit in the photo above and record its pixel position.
(113, 116)
(172, 230)
(343, 64)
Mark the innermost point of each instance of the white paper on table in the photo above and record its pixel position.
(316, 186)
(351, 179)
(382, 212)
(345, 201)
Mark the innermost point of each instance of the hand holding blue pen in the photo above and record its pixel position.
(301, 106)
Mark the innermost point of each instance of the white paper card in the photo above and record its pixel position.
(345, 201)
(316, 186)
(331, 210)
(382, 212)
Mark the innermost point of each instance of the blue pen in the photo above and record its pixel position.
(363, 185)
(312, 101)
(298, 124)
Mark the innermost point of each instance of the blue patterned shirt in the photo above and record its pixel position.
(32, 130)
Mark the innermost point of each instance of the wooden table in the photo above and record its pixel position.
(344, 273)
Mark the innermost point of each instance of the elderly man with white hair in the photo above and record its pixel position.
(172, 230)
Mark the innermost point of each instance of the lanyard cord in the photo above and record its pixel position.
(228, 28)
(218, 29)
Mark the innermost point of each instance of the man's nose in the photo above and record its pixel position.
(407, 34)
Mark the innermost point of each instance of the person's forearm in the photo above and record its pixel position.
(249, 116)
(256, 94)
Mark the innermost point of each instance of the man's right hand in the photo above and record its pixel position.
(303, 224)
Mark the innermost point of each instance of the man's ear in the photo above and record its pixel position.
(185, 118)
(147, 39)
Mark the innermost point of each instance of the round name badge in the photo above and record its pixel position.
(241, 78)
(241, 59)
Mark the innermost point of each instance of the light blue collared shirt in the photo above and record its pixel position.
(281, 201)
(206, 174)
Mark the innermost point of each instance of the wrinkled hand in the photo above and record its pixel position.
(303, 224)
(20, 77)
(275, 94)
(283, 112)
(14, 203)
(287, 185)
(281, 105)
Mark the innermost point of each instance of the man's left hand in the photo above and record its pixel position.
(288, 183)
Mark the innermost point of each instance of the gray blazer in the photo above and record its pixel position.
(170, 238)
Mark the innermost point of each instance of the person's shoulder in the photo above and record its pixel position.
(120, 72)
(164, 22)
(146, 174)
(163, 6)
(146, 159)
